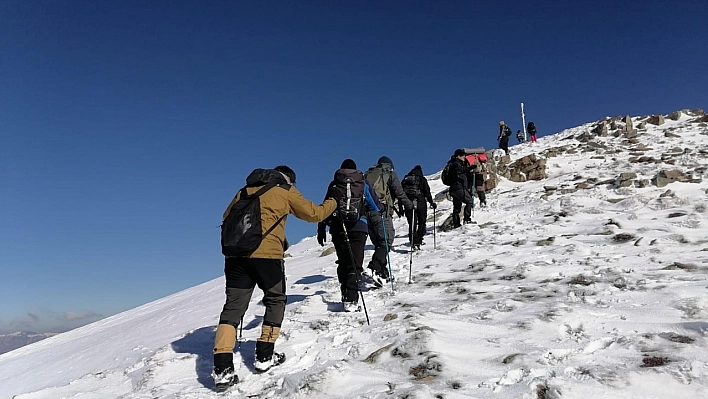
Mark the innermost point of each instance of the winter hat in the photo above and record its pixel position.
(289, 173)
(459, 152)
(348, 164)
(385, 160)
(418, 167)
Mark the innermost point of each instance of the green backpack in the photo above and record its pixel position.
(380, 177)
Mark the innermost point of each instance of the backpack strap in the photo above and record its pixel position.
(261, 191)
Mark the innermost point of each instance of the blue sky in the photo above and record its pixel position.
(127, 127)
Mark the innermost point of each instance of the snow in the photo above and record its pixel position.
(489, 314)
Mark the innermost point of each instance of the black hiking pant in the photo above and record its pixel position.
(460, 195)
(416, 233)
(242, 276)
(348, 269)
(504, 144)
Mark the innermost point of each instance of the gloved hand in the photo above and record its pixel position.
(434, 205)
(321, 233)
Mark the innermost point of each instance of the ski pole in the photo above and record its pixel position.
(388, 256)
(434, 211)
(356, 272)
(410, 266)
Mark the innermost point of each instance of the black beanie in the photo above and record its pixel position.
(348, 164)
(287, 172)
(385, 160)
(459, 152)
(418, 167)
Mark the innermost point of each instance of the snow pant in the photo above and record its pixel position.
(242, 276)
(460, 195)
(381, 241)
(504, 144)
(348, 269)
(533, 138)
(416, 233)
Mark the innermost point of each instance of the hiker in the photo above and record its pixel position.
(264, 267)
(531, 128)
(520, 137)
(416, 187)
(349, 233)
(504, 133)
(475, 176)
(459, 189)
(387, 186)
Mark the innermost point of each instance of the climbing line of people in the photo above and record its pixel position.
(357, 206)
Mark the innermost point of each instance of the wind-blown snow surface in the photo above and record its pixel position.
(490, 313)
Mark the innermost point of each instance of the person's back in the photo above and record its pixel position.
(385, 182)
(349, 236)
(531, 128)
(418, 190)
(459, 190)
(504, 133)
(263, 267)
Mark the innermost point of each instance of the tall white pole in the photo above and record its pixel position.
(523, 120)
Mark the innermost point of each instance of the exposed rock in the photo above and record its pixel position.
(675, 115)
(328, 251)
(665, 177)
(656, 120)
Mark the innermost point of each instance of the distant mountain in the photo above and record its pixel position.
(10, 342)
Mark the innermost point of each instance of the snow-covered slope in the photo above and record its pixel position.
(599, 292)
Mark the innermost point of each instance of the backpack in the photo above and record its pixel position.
(448, 175)
(507, 131)
(532, 129)
(347, 189)
(411, 185)
(380, 178)
(241, 231)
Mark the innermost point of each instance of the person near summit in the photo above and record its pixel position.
(504, 134)
(349, 233)
(272, 194)
(416, 187)
(459, 188)
(531, 128)
(519, 136)
(387, 186)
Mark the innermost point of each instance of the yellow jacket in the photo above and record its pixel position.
(277, 202)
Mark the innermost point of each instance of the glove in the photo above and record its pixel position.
(321, 234)
(434, 205)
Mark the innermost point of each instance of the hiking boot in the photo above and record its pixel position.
(467, 221)
(263, 365)
(367, 272)
(350, 307)
(379, 281)
(223, 374)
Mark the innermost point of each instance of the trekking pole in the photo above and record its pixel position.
(356, 272)
(388, 256)
(474, 175)
(240, 338)
(434, 211)
(410, 265)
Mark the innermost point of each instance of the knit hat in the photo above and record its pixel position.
(385, 160)
(348, 164)
(459, 152)
(289, 173)
(418, 167)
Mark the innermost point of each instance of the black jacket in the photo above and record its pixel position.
(459, 169)
(423, 186)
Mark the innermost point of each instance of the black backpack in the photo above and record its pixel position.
(507, 131)
(411, 185)
(347, 189)
(448, 175)
(241, 231)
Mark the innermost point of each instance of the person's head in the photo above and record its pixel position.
(418, 168)
(287, 172)
(387, 160)
(348, 164)
(459, 154)
(501, 123)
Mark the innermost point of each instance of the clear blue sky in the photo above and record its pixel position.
(126, 127)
